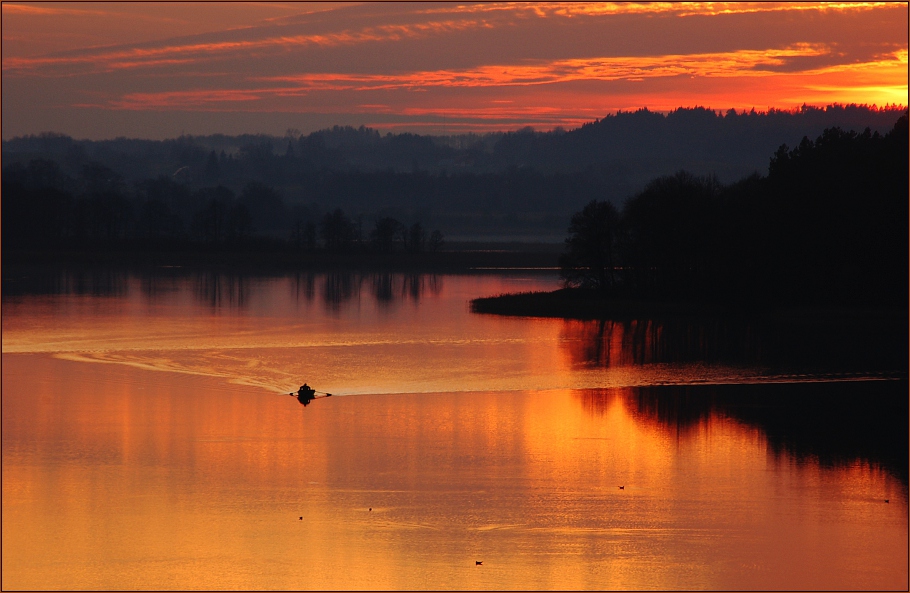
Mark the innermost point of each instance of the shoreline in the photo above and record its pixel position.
(569, 303)
(472, 258)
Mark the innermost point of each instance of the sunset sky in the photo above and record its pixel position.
(156, 70)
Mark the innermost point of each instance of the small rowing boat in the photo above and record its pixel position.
(306, 394)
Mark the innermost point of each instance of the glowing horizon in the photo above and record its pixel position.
(149, 70)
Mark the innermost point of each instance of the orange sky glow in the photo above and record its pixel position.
(101, 70)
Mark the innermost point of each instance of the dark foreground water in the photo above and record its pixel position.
(148, 442)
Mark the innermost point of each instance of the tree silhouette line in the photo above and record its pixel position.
(45, 209)
(827, 225)
(524, 183)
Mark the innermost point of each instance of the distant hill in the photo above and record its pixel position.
(522, 184)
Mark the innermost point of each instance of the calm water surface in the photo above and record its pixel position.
(149, 443)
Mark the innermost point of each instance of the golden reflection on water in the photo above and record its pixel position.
(116, 477)
(148, 442)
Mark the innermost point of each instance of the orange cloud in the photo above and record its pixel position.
(478, 65)
(885, 76)
(882, 82)
(31, 9)
(109, 59)
(730, 64)
(188, 99)
(571, 9)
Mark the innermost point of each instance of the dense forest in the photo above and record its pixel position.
(826, 225)
(354, 188)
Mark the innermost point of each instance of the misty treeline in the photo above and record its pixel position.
(827, 225)
(45, 209)
(523, 184)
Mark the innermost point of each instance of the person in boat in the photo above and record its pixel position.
(305, 394)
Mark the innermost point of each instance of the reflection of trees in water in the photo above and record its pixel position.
(386, 287)
(416, 285)
(834, 423)
(608, 343)
(94, 281)
(830, 344)
(390, 287)
(674, 408)
(99, 282)
(340, 287)
(157, 285)
(304, 286)
(434, 283)
(412, 286)
(382, 288)
(218, 290)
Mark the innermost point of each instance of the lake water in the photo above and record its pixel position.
(149, 442)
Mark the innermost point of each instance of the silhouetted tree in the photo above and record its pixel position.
(210, 221)
(386, 235)
(838, 206)
(416, 238)
(436, 241)
(110, 213)
(239, 224)
(827, 224)
(303, 235)
(337, 231)
(157, 221)
(589, 258)
(668, 233)
(176, 196)
(266, 208)
(97, 178)
(212, 169)
(38, 204)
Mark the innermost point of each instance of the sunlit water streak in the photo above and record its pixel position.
(232, 367)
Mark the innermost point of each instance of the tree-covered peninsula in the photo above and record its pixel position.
(826, 227)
